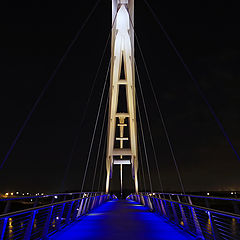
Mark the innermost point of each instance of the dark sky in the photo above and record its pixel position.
(33, 39)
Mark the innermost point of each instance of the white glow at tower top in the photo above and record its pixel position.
(122, 21)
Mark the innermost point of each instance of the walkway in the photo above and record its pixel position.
(123, 220)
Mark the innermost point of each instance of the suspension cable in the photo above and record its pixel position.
(149, 128)
(102, 161)
(200, 91)
(144, 144)
(166, 132)
(95, 127)
(86, 107)
(84, 116)
(141, 163)
(48, 83)
(99, 145)
(159, 110)
(103, 181)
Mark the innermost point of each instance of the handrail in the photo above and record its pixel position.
(203, 208)
(200, 196)
(218, 203)
(203, 222)
(42, 221)
(9, 204)
(192, 195)
(43, 196)
(40, 207)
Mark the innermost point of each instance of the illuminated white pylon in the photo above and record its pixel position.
(122, 55)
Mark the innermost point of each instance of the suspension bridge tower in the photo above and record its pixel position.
(122, 128)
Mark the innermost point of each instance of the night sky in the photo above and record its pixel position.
(33, 39)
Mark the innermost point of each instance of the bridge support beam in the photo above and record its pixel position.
(122, 148)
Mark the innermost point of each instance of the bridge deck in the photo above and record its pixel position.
(121, 219)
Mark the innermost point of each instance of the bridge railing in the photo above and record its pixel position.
(202, 222)
(219, 203)
(40, 222)
(12, 204)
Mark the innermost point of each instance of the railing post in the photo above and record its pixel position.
(3, 228)
(150, 203)
(195, 219)
(28, 232)
(88, 202)
(159, 209)
(101, 199)
(174, 213)
(166, 209)
(213, 227)
(85, 205)
(46, 227)
(163, 208)
(93, 201)
(80, 208)
(184, 219)
(58, 225)
(155, 207)
(69, 213)
(76, 209)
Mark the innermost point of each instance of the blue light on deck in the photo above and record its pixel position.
(118, 219)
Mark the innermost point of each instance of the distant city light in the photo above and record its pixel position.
(232, 193)
(42, 194)
(27, 193)
(31, 200)
(12, 194)
(55, 197)
(6, 194)
(57, 218)
(208, 193)
(17, 192)
(23, 194)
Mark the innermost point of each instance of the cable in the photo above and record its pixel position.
(141, 163)
(86, 107)
(159, 110)
(149, 128)
(95, 127)
(99, 145)
(144, 144)
(84, 115)
(165, 130)
(202, 94)
(101, 168)
(47, 84)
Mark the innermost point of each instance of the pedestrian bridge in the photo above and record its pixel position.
(99, 215)
(103, 216)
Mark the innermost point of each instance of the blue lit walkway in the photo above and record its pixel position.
(121, 219)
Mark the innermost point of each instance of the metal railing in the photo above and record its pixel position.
(40, 222)
(12, 204)
(219, 203)
(202, 222)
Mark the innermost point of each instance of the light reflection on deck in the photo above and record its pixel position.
(121, 219)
